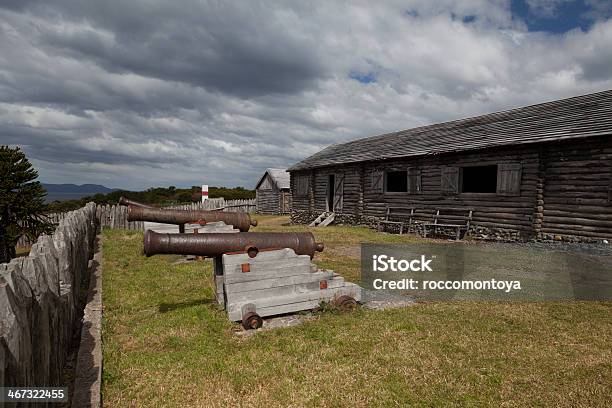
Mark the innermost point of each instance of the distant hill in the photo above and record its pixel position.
(63, 192)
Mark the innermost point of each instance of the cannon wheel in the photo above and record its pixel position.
(252, 320)
(346, 303)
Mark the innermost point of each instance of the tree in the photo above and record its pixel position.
(22, 201)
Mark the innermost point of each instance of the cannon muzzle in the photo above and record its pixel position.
(127, 202)
(215, 244)
(242, 221)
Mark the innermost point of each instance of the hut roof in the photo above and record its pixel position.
(279, 176)
(578, 117)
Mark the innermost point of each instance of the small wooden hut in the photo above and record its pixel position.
(273, 192)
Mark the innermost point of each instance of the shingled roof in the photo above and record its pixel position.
(577, 117)
(279, 176)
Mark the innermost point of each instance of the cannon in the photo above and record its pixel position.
(217, 244)
(258, 274)
(242, 221)
(127, 202)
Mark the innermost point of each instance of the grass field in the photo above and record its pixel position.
(167, 345)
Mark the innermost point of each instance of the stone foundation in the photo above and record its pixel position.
(477, 232)
(497, 234)
(569, 238)
(302, 217)
(347, 219)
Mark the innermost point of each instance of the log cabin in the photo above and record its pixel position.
(273, 192)
(537, 172)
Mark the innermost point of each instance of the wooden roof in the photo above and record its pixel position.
(577, 117)
(280, 177)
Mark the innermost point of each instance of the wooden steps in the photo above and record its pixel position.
(323, 220)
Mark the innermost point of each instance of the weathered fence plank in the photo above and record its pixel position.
(39, 301)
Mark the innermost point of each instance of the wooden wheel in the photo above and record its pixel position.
(251, 321)
(346, 303)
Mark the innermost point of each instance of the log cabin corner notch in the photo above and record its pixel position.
(539, 171)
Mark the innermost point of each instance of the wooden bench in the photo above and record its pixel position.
(399, 216)
(456, 218)
(422, 216)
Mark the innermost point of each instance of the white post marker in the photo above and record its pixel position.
(204, 192)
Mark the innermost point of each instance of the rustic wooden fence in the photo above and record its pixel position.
(219, 204)
(41, 299)
(115, 216)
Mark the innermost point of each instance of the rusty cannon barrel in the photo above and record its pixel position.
(215, 244)
(242, 221)
(127, 202)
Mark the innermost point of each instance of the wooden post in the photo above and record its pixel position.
(360, 204)
(538, 209)
(311, 191)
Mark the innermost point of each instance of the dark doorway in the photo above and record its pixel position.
(331, 185)
(479, 179)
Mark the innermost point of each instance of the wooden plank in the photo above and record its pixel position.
(265, 306)
(449, 180)
(234, 274)
(338, 199)
(377, 181)
(282, 291)
(266, 283)
(509, 179)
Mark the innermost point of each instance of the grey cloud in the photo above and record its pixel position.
(236, 48)
(134, 94)
(597, 68)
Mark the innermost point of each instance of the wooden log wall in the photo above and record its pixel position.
(576, 189)
(299, 202)
(490, 210)
(565, 188)
(273, 201)
(268, 200)
(350, 190)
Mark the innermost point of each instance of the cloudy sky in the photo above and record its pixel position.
(133, 94)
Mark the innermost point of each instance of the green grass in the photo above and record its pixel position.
(167, 345)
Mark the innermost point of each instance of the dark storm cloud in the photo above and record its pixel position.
(233, 48)
(18, 5)
(43, 145)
